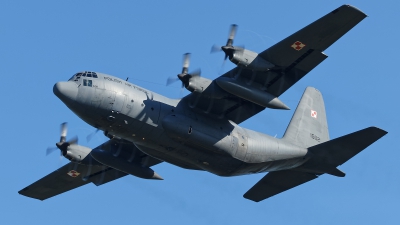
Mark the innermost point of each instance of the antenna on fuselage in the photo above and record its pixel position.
(127, 79)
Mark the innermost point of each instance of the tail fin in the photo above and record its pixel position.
(308, 126)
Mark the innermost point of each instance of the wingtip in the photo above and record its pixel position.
(353, 7)
(251, 199)
(384, 132)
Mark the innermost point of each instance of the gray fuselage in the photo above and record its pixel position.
(171, 131)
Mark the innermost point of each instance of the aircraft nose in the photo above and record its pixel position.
(66, 91)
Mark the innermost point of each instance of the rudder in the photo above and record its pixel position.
(308, 126)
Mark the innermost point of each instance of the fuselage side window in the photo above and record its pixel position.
(89, 83)
(84, 82)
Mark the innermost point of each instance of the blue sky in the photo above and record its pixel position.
(43, 42)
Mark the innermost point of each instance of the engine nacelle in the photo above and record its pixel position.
(250, 60)
(77, 153)
(197, 84)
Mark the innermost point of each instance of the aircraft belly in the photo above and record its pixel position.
(250, 168)
(192, 158)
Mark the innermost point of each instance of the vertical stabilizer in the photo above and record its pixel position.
(308, 126)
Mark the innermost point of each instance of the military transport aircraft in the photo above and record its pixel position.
(201, 131)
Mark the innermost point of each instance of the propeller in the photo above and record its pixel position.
(184, 76)
(63, 144)
(91, 135)
(229, 49)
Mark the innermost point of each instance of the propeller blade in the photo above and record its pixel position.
(63, 132)
(50, 150)
(61, 158)
(232, 33)
(186, 62)
(91, 135)
(215, 48)
(196, 73)
(73, 141)
(171, 80)
(221, 70)
(181, 91)
(228, 48)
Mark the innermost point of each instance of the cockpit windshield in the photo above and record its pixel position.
(77, 76)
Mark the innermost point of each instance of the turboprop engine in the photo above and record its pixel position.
(249, 59)
(70, 149)
(241, 56)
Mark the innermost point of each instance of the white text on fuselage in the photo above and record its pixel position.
(126, 84)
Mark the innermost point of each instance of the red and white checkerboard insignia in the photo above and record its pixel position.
(73, 173)
(298, 45)
(314, 114)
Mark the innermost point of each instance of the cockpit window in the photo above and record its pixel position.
(84, 82)
(89, 83)
(89, 74)
(72, 78)
(83, 74)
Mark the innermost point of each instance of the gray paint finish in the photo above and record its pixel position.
(201, 131)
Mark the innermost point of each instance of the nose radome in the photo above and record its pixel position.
(66, 91)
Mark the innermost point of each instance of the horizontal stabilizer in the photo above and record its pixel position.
(337, 151)
(276, 182)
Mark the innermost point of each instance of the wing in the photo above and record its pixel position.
(293, 58)
(73, 175)
(68, 177)
(299, 53)
(276, 182)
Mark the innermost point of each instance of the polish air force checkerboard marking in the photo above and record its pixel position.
(298, 45)
(314, 114)
(73, 173)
